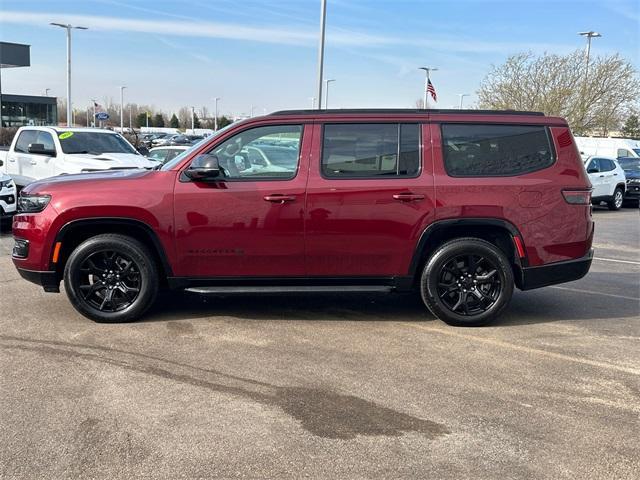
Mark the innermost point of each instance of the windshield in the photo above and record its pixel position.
(94, 143)
(637, 150)
(629, 163)
(175, 161)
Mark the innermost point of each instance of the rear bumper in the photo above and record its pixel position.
(554, 273)
(48, 280)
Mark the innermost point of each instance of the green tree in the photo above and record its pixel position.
(174, 123)
(223, 122)
(631, 128)
(158, 120)
(141, 120)
(559, 85)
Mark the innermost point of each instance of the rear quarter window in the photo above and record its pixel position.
(479, 150)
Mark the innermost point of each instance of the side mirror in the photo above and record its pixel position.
(203, 168)
(39, 149)
(592, 170)
(142, 150)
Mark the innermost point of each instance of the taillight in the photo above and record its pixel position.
(577, 197)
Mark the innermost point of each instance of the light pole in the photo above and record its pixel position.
(252, 108)
(122, 109)
(68, 28)
(87, 116)
(326, 93)
(95, 121)
(427, 70)
(323, 16)
(462, 95)
(193, 119)
(590, 34)
(313, 102)
(215, 120)
(46, 92)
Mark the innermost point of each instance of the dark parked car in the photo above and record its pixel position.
(460, 206)
(631, 167)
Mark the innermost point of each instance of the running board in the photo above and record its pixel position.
(239, 290)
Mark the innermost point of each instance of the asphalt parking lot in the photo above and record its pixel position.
(329, 386)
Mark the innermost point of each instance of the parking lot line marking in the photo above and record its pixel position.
(591, 292)
(617, 261)
(521, 348)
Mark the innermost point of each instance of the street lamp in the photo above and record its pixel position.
(326, 95)
(46, 92)
(590, 34)
(215, 120)
(323, 16)
(95, 120)
(193, 120)
(122, 109)
(68, 28)
(425, 102)
(462, 95)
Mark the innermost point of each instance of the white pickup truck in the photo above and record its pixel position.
(41, 152)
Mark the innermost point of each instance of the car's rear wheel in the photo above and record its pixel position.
(616, 201)
(111, 278)
(467, 282)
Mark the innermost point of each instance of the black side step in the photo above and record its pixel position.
(264, 289)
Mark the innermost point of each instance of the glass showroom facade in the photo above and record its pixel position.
(22, 110)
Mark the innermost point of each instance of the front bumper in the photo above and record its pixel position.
(632, 191)
(554, 273)
(48, 280)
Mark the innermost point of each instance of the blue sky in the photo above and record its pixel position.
(172, 53)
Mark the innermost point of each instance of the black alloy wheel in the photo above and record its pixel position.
(111, 278)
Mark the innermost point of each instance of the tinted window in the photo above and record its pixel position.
(371, 150)
(606, 165)
(495, 150)
(241, 155)
(46, 139)
(594, 166)
(24, 140)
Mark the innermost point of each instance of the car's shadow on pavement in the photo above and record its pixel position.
(544, 305)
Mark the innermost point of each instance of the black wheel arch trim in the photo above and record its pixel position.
(456, 222)
(146, 228)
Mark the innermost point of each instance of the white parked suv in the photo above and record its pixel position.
(7, 196)
(41, 152)
(608, 181)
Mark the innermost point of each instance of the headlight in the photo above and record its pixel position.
(32, 203)
(633, 180)
(6, 183)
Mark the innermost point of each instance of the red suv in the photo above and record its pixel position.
(459, 205)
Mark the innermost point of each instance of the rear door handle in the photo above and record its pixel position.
(276, 198)
(408, 197)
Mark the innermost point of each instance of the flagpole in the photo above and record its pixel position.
(426, 84)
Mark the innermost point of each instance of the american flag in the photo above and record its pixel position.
(431, 89)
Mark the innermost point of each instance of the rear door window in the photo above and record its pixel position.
(25, 139)
(373, 150)
(482, 150)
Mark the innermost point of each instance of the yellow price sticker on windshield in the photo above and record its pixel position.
(64, 135)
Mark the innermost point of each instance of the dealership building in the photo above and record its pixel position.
(21, 110)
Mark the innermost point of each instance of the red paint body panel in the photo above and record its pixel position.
(334, 227)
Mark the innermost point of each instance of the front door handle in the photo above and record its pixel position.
(277, 198)
(408, 197)
(33, 162)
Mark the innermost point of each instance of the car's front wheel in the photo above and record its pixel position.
(111, 278)
(616, 201)
(467, 282)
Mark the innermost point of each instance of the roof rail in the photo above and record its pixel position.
(400, 111)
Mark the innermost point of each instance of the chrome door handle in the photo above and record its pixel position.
(276, 198)
(33, 162)
(408, 197)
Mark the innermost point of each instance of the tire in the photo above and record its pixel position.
(450, 270)
(616, 201)
(95, 287)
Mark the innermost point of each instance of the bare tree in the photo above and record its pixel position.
(595, 101)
